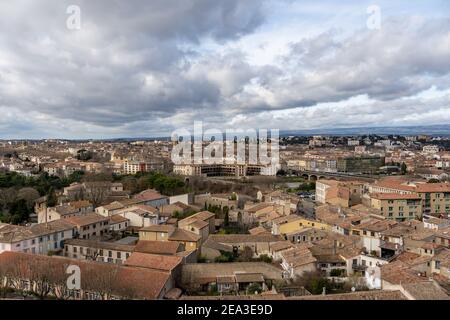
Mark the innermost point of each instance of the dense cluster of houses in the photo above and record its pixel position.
(158, 247)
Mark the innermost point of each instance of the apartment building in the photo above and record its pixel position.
(399, 207)
(237, 170)
(89, 226)
(435, 196)
(361, 164)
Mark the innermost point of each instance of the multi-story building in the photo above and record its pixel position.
(430, 149)
(37, 239)
(435, 196)
(97, 250)
(71, 209)
(361, 164)
(345, 194)
(396, 206)
(89, 226)
(237, 170)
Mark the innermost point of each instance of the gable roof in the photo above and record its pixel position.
(153, 261)
(158, 247)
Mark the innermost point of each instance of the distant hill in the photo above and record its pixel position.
(437, 130)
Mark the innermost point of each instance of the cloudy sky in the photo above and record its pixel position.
(144, 68)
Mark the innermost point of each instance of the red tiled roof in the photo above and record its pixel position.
(123, 281)
(153, 261)
(158, 247)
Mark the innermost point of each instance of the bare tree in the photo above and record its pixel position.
(42, 275)
(7, 196)
(101, 281)
(29, 195)
(96, 193)
(60, 289)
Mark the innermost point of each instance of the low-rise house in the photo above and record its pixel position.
(397, 273)
(371, 234)
(175, 208)
(294, 223)
(296, 261)
(434, 223)
(278, 247)
(288, 201)
(442, 237)
(117, 223)
(140, 215)
(190, 240)
(63, 211)
(97, 250)
(368, 267)
(152, 198)
(201, 223)
(344, 194)
(263, 209)
(440, 263)
(306, 235)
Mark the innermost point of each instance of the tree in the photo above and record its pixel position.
(254, 288)
(246, 254)
(225, 256)
(130, 183)
(313, 281)
(96, 193)
(403, 168)
(19, 212)
(102, 283)
(265, 258)
(29, 195)
(226, 220)
(51, 198)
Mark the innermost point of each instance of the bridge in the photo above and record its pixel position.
(318, 175)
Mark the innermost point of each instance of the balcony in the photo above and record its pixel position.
(359, 267)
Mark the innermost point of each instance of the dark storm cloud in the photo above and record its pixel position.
(156, 65)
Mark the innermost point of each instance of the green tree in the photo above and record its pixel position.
(51, 198)
(403, 168)
(254, 288)
(226, 220)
